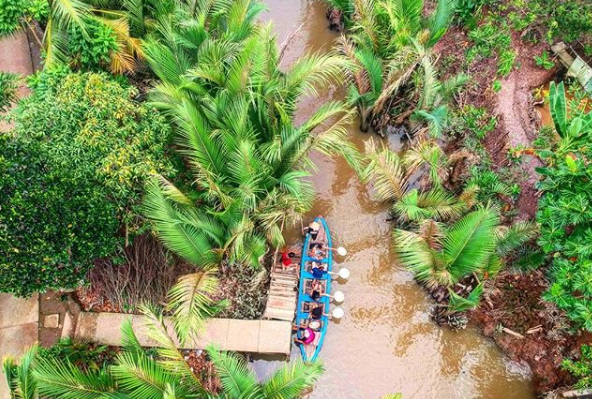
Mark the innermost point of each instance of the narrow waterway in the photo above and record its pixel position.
(386, 343)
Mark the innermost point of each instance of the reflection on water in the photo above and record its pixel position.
(387, 342)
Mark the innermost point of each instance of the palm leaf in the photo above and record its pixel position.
(292, 379)
(470, 242)
(190, 300)
(237, 380)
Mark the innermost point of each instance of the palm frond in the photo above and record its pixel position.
(58, 378)
(291, 380)
(471, 241)
(386, 172)
(190, 300)
(236, 378)
(509, 238)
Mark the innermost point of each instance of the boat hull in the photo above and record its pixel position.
(310, 352)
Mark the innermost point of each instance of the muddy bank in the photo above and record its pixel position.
(513, 105)
(515, 303)
(514, 300)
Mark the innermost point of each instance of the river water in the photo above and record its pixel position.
(386, 343)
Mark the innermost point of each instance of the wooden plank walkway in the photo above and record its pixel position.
(576, 66)
(252, 336)
(281, 302)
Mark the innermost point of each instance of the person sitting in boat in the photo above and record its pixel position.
(316, 251)
(313, 228)
(308, 336)
(316, 290)
(318, 270)
(317, 311)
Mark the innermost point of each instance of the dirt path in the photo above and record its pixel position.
(15, 57)
(518, 122)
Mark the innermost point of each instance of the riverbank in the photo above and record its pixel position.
(502, 52)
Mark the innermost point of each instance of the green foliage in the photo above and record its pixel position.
(491, 184)
(506, 62)
(72, 174)
(496, 86)
(492, 39)
(91, 49)
(477, 121)
(581, 368)
(391, 45)
(233, 110)
(488, 39)
(566, 20)
(8, 89)
(544, 61)
(565, 209)
(460, 304)
(81, 354)
(11, 12)
(467, 11)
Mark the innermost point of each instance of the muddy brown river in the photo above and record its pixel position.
(386, 343)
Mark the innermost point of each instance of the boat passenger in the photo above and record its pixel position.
(308, 336)
(317, 312)
(316, 251)
(313, 228)
(318, 270)
(316, 290)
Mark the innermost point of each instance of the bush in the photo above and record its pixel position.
(582, 368)
(11, 12)
(71, 176)
(91, 51)
(8, 89)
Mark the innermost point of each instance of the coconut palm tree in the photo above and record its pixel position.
(475, 244)
(233, 110)
(389, 41)
(413, 183)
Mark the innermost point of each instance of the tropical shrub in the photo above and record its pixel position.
(565, 209)
(581, 368)
(91, 49)
(8, 89)
(11, 12)
(384, 57)
(72, 174)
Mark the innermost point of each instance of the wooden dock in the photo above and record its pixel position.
(250, 336)
(281, 302)
(576, 66)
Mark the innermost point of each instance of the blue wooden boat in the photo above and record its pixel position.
(314, 250)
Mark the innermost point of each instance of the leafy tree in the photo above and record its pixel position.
(233, 110)
(564, 209)
(71, 176)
